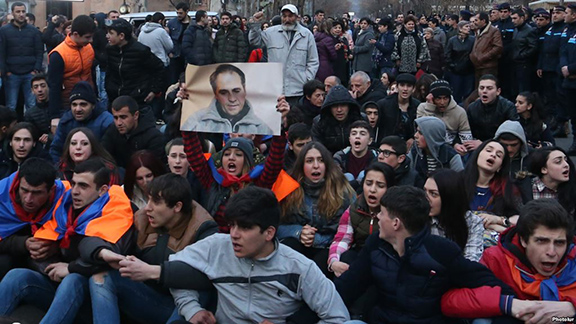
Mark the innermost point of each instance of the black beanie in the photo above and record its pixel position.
(83, 90)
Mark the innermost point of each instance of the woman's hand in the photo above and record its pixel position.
(307, 235)
(339, 268)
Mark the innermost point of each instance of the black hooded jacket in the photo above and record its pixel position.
(329, 131)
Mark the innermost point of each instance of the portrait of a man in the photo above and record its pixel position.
(229, 111)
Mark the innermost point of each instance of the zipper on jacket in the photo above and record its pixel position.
(120, 72)
(250, 289)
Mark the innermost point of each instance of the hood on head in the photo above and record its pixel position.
(101, 20)
(516, 129)
(339, 95)
(434, 131)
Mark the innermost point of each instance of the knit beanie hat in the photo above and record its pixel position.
(243, 144)
(83, 90)
(440, 88)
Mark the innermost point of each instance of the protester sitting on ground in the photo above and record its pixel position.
(393, 152)
(511, 135)
(398, 110)
(450, 213)
(178, 164)
(83, 113)
(536, 259)
(28, 200)
(554, 176)
(492, 195)
(444, 106)
(170, 221)
(488, 112)
(370, 108)
(430, 152)
(298, 135)
(143, 167)
(237, 171)
(359, 221)
(81, 145)
(356, 157)
(311, 213)
(92, 216)
(339, 111)
(22, 144)
(251, 254)
(423, 266)
(529, 107)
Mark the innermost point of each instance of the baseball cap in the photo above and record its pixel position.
(290, 7)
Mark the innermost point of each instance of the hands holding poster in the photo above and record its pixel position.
(233, 98)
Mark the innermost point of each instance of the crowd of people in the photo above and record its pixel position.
(416, 178)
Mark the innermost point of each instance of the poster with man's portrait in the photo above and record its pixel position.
(233, 98)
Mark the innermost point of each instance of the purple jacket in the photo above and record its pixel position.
(326, 54)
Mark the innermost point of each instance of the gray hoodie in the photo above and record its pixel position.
(156, 37)
(434, 131)
(516, 129)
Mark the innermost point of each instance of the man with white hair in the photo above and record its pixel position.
(363, 89)
(285, 43)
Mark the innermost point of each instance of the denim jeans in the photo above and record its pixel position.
(111, 292)
(101, 85)
(13, 84)
(61, 301)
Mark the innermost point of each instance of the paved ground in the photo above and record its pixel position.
(565, 144)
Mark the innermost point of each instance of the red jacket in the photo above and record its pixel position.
(507, 260)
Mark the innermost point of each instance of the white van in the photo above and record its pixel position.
(138, 18)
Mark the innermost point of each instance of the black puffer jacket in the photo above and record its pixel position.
(134, 71)
(485, 119)
(410, 287)
(144, 137)
(326, 129)
(21, 49)
(197, 45)
(230, 46)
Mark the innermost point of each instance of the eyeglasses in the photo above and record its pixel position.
(386, 153)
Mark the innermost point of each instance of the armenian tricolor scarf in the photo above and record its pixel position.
(554, 288)
(13, 217)
(108, 217)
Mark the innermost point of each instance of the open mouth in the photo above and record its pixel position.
(548, 266)
(231, 167)
(237, 247)
(372, 199)
(357, 144)
(484, 97)
(490, 162)
(316, 174)
(177, 168)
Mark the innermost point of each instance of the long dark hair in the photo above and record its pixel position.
(452, 217)
(140, 159)
(533, 125)
(501, 187)
(566, 190)
(97, 148)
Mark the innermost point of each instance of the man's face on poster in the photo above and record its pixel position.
(230, 92)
